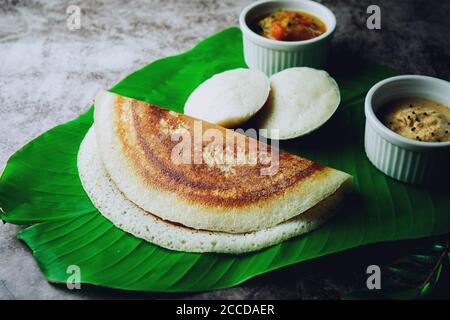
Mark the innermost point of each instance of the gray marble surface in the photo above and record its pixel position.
(49, 74)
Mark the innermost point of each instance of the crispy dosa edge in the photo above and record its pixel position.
(141, 179)
(125, 215)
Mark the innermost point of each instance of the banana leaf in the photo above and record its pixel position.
(40, 187)
(416, 274)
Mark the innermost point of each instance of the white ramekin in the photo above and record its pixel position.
(401, 158)
(271, 56)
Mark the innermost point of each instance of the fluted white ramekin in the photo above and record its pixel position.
(401, 158)
(271, 56)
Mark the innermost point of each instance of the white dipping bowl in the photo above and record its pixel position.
(271, 56)
(401, 158)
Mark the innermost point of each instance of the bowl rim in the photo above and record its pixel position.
(387, 133)
(286, 44)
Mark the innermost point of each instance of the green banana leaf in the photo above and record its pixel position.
(40, 186)
(415, 274)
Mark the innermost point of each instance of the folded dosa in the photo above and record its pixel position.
(127, 216)
(135, 144)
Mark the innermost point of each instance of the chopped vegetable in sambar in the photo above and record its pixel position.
(291, 26)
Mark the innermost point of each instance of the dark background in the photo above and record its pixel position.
(49, 75)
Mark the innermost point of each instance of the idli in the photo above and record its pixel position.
(229, 98)
(300, 101)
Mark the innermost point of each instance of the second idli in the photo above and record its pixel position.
(300, 101)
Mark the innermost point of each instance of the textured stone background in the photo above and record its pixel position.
(49, 75)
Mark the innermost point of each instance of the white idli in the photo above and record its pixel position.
(300, 101)
(229, 98)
